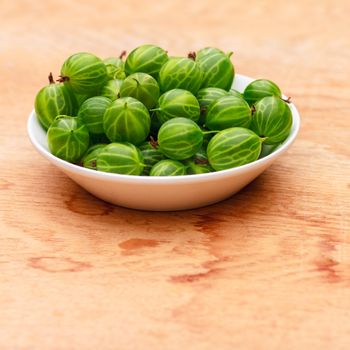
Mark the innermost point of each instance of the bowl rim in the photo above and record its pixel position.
(166, 179)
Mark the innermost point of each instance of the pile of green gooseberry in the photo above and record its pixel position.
(155, 115)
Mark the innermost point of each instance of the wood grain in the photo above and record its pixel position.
(267, 269)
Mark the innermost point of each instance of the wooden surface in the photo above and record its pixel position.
(267, 269)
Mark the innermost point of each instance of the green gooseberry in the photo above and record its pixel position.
(180, 73)
(112, 89)
(168, 167)
(198, 164)
(141, 86)
(127, 120)
(227, 112)
(146, 59)
(205, 97)
(235, 93)
(79, 100)
(233, 147)
(85, 73)
(115, 66)
(120, 158)
(177, 103)
(201, 156)
(267, 149)
(260, 88)
(51, 101)
(272, 119)
(151, 155)
(92, 111)
(68, 138)
(89, 159)
(208, 95)
(217, 67)
(179, 138)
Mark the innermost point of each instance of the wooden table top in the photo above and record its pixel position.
(268, 268)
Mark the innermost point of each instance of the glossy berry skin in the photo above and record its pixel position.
(115, 68)
(260, 88)
(227, 112)
(111, 89)
(180, 73)
(177, 103)
(91, 112)
(235, 93)
(141, 86)
(217, 67)
(120, 158)
(233, 147)
(90, 157)
(179, 138)
(51, 101)
(85, 73)
(267, 149)
(205, 97)
(272, 119)
(68, 138)
(78, 101)
(150, 155)
(208, 95)
(146, 59)
(168, 167)
(127, 120)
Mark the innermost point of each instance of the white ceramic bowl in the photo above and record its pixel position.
(164, 193)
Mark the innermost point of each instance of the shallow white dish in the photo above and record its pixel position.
(164, 193)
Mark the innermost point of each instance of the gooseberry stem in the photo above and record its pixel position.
(122, 54)
(229, 54)
(153, 142)
(51, 79)
(287, 100)
(192, 55)
(202, 110)
(62, 78)
(200, 161)
(253, 109)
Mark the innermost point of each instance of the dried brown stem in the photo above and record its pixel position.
(62, 78)
(122, 54)
(153, 142)
(200, 161)
(51, 79)
(192, 55)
